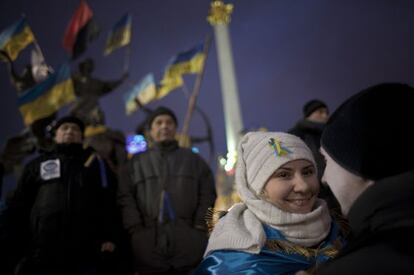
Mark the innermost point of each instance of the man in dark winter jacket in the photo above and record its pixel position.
(164, 195)
(60, 214)
(368, 148)
(309, 129)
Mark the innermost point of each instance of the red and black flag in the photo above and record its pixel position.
(80, 31)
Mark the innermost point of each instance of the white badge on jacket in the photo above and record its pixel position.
(50, 169)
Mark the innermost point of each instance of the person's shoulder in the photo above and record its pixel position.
(89, 152)
(297, 129)
(366, 260)
(197, 158)
(41, 157)
(115, 135)
(33, 165)
(188, 152)
(140, 155)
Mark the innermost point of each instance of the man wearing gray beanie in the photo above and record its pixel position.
(368, 149)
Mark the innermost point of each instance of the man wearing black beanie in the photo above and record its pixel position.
(368, 149)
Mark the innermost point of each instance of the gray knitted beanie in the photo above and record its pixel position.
(260, 154)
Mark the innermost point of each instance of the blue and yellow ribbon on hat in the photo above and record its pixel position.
(278, 148)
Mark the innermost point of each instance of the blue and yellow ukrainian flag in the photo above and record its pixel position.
(144, 91)
(191, 61)
(169, 83)
(48, 96)
(188, 62)
(120, 34)
(15, 38)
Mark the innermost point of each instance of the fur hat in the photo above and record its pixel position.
(369, 134)
(68, 119)
(160, 111)
(313, 105)
(260, 154)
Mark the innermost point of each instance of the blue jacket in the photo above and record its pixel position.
(278, 256)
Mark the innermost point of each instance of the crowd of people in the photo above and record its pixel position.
(333, 195)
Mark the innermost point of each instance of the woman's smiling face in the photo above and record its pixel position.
(293, 187)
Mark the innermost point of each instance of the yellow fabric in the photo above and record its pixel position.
(194, 65)
(173, 75)
(148, 94)
(94, 130)
(169, 83)
(18, 42)
(183, 140)
(145, 96)
(50, 102)
(118, 39)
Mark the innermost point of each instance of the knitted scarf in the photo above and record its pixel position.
(241, 228)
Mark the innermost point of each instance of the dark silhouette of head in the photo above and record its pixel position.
(87, 66)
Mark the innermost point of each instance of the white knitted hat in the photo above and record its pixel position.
(260, 154)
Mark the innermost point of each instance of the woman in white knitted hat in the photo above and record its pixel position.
(281, 226)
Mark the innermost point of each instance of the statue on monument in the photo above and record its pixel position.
(88, 90)
(109, 143)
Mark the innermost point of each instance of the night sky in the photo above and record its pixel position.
(285, 53)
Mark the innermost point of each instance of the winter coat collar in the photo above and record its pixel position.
(387, 205)
(307, 125)
(166, 146)
(73, 149)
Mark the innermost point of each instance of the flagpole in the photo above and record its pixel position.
(184, 88)
(196, 89)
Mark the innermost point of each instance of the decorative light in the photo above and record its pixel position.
(136, 144)
(222, 161)
(231, 161)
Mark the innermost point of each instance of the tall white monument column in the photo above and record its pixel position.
(219, 18)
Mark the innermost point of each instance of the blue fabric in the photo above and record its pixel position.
(166, 208)
(266, 262)
(102, 171)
